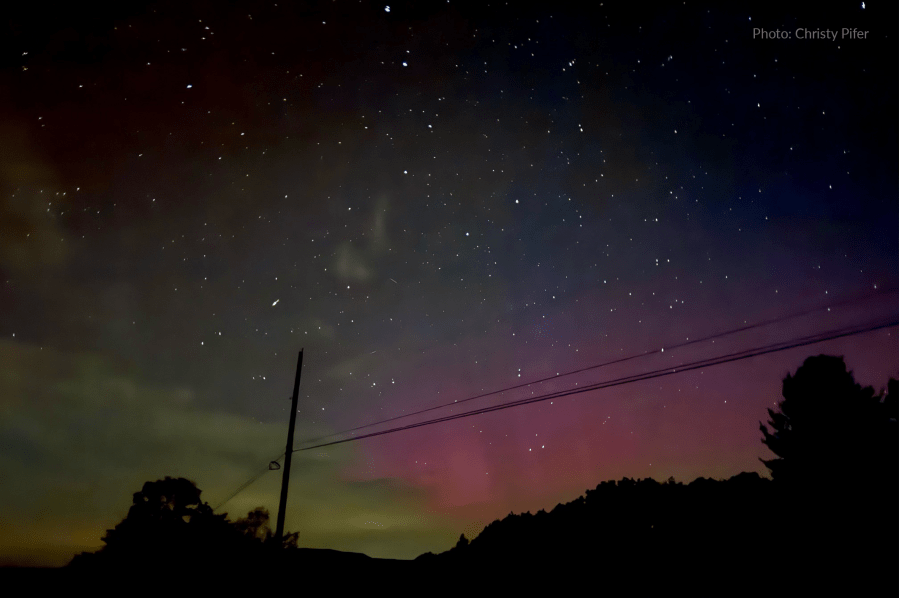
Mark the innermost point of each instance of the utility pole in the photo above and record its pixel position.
(285, 478)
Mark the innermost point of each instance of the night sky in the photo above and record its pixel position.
(434, 200)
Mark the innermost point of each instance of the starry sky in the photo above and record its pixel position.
(433, 200)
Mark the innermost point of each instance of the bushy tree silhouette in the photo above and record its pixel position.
(169, 527)
(256, 526)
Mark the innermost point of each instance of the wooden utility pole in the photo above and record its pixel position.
(285, 478)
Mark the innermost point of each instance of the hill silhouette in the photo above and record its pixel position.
(622, 530)
(725, 536)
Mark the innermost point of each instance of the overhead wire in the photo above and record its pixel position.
(762, 323)
(772, 348)
(247, 484)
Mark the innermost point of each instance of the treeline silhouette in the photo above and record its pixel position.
(630, 526)
(826, 521)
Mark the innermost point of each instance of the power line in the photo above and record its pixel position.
(782, 346)
(246, 484)
(620, 360)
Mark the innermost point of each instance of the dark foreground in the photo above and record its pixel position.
(738, 537)
(718, 571)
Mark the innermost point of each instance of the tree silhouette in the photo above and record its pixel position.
(836, 468)
(255, 526)
(169, 527)
(827, 425)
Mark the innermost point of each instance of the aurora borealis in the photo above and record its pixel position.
(434, 200)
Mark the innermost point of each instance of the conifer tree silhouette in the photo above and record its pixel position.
(837, 474)
(828, 426)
